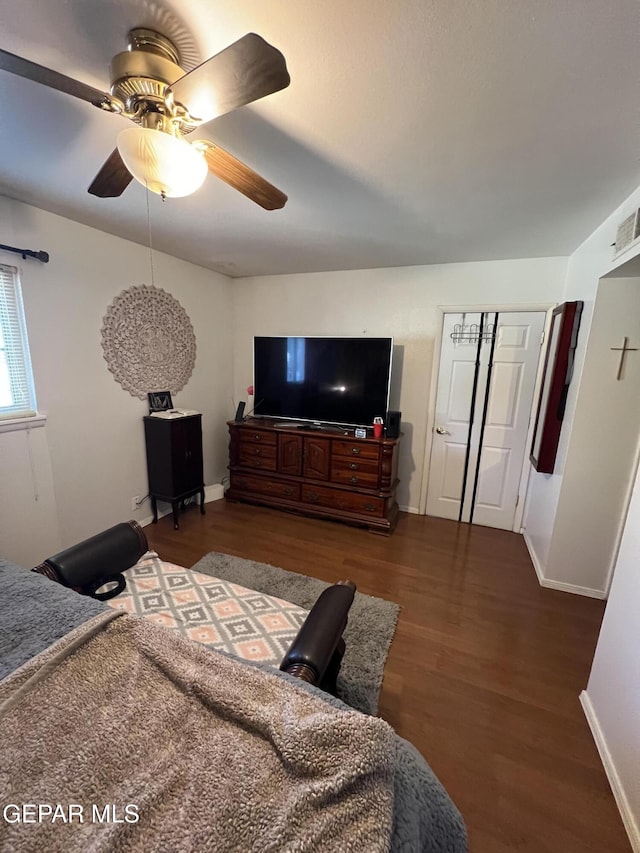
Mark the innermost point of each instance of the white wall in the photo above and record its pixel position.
(401, 302)
(612, 700)
(28, 518)
(94, 431)
(549, 538)
(600, 462)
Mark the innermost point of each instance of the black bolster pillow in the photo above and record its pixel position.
(321, 632)
(103, 557)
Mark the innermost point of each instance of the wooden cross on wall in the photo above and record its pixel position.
(623, 350)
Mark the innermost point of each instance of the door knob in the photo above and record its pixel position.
(442, 431)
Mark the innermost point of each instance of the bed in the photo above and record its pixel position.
(121, 734)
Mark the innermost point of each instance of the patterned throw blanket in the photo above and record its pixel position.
(162, 744)
(217, 613)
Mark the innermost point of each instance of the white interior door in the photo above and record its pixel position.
(515, 363)
(480, 438)
(457, 387)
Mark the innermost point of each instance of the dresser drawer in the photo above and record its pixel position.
(261, 436)
(265, 486)
(345, 501)
(351, 472)
(261, 456)
(356, 449)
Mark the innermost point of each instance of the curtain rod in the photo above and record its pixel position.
(28, 253)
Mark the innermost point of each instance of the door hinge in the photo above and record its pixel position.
(517, 500)
(542, 338)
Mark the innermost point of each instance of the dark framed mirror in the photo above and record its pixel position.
(556, 378)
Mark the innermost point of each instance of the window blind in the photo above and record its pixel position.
(17, 396)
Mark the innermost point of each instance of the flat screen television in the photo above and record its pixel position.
(322, 380)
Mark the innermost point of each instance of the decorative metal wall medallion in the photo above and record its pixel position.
(148, 341)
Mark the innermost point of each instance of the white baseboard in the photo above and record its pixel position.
(534, 558)
(573, 588)
(214, 492)
(626, 813)
(412, 509)
(551, 584)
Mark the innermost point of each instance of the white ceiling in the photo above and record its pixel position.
(413, 131)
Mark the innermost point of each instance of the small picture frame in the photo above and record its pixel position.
(159, 401)
(360, 432)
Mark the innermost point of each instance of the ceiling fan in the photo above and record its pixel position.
(166, 103)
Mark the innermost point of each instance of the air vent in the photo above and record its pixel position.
(628, 232)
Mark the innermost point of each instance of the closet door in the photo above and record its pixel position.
(506, 422)
(488, 365)
(461, 382)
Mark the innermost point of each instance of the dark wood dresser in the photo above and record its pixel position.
(323, 473)
(174, 461)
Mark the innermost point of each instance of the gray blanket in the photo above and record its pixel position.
(206, 756)
(34, 612)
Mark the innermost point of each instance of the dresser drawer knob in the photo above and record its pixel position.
(355, 450)
(312, 497)
(288, 492)
(370, 507)
(258, 451)
(354, 466)
(354, 479)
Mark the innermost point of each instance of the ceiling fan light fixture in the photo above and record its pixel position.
(166, 164)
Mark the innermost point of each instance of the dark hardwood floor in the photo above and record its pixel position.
(484, 672)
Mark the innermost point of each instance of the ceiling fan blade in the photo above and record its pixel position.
(113, 179)
(247, 70)
(32, 71)
(233, 172)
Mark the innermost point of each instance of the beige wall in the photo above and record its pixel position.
(612, 698)
(28, 518)
(400, 302)
(560, 510)
(600, 463)
(94, 431)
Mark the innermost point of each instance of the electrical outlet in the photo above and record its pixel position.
(135, 502)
